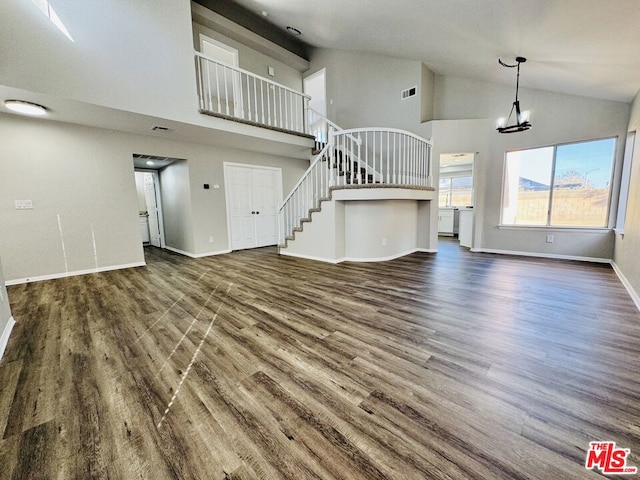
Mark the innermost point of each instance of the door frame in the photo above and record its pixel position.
(156, 187)
(238, 100)
(226, 192)
(317, 73)
(234, 51)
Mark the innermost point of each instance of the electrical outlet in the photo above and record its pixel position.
(384, 241)
(549, 238)
(210, 239)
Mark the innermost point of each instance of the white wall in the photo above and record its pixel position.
(427, 85)
(461, 136)
(365, 89)
(133, 56)
(380, 229)
(628, 246)
(324, 237)
(81, 183)
(86, 175)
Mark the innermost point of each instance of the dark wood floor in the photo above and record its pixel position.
(251, 366)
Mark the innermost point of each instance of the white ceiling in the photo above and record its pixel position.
(581, 47)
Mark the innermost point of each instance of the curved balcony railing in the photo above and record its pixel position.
(353, 159)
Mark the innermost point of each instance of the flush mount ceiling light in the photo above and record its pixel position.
(26, 108)
(522, 118)
(293, 31)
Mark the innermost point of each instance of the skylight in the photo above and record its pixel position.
(50, 13)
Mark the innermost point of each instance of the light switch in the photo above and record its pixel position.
(271, 71)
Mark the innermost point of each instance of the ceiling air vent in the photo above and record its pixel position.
(158, 128)
(409, 92)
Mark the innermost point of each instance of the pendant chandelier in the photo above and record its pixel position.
(522, 117)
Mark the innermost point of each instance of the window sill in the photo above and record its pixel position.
(619, 232)
(599, 230)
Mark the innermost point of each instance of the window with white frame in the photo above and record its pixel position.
(565, 185)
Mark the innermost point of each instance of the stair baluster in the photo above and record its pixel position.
(352, 158)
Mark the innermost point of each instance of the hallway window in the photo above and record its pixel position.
(564, 185)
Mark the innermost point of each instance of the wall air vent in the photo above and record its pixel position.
(409, 92)
(158, 128)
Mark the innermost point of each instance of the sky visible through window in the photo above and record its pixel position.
(593, 157)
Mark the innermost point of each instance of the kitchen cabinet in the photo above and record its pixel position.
(465, 230)
(447, 221)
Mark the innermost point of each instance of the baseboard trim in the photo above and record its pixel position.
(309, 257)
(211, 254)
(542, 255)
(384, 259)
(632, 293)
(74, 273)
(4, 339)
(361, 260)
(196, 255)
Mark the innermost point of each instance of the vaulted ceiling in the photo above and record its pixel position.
(581, 47)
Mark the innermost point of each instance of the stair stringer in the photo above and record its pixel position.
(320, 235)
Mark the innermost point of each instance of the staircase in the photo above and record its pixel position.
(356, 158)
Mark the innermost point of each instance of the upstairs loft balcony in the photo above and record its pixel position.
(229, 92)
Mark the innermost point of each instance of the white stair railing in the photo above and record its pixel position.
(350, 159)
(307, 195)
(320, 127)
(384, 156)
(233, 92)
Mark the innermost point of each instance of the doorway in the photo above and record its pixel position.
(456, 197)
(253, 196)
(315, 86)
(149, 207)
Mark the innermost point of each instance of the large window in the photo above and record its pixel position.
(565, 185)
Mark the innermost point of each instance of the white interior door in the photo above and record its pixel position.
(265, 201)
(152, 209)
(223, 83)
(253, 196)
(241, 219)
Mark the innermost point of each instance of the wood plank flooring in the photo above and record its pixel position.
(253, 366)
